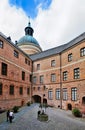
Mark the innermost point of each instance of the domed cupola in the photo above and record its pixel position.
(28, 43)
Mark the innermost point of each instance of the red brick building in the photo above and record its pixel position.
(55, 76)
(15, 71)
(59, 75)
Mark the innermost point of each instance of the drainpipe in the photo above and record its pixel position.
(31, 81)
(60, 81)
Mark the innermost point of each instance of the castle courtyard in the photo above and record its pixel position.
(26, 119)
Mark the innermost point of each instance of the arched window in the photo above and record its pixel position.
(83, 100)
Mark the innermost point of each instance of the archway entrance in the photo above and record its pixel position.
(36, 98)
(69, 106)
(45, 101)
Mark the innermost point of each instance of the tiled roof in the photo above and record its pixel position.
(58, 49)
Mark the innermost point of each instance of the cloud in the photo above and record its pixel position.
(63, 21)
(56, 25)
(12, 20)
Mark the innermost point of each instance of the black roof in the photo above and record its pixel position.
(59, 49)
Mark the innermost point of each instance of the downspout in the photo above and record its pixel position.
(31, 81)
(60, 81)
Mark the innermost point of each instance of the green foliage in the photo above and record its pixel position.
(15, 109)
(76, 112)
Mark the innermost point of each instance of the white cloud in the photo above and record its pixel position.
(63, 21)
(60, 23)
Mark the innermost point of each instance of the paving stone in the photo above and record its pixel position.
(26, 119)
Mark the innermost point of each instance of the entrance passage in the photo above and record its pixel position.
(36, 99)
(69, 106)
(45, 101)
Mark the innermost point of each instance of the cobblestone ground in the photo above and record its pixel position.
(59, 119)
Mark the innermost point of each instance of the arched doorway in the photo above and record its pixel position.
(36, 98)
(45, 100)
(22, 103)
(69, 106)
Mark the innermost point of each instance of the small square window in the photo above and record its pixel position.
(1, 44)
(16, 54)
(70, 57)
(82, 51)
(38, 66)
(76, 73)
(53, 77)
(65, 74)
(4, 69)
(52, 63)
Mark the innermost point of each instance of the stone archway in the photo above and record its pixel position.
(36, 98)
(45, 100)
(69, 106)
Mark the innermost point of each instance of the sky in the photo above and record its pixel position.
(55, 22)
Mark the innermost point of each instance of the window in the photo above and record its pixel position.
(34, 79)
(38, 66)
(53, 77)
(28, 91)
(65, 74)
(74, 94)
(41, 79)
(70, 57)
(83, 100)
(50, 94)
(52, 63)
(38, 88)
(76, 73)
(21, 90)
(23, 75)
(16, 54)
(65, 94)
(0, 88)
(82, 51)
(11, 90)
(58, 94)
(1, 44)
(4, 69)
(27, 61)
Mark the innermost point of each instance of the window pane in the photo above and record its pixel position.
(74, 94)
(64, 93)
(76, 73)
(28, 91)
(34, 79)
(23, 75)
(70, 57)
(58, 94)
(21, 90)
(50, 94)
(1, 44)
(82, 51)
(52, 63)
(65, 75)
(38, 66)
(16, 54)
(11, 90)
(41, 79)
(4, 69)
(53, 77)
